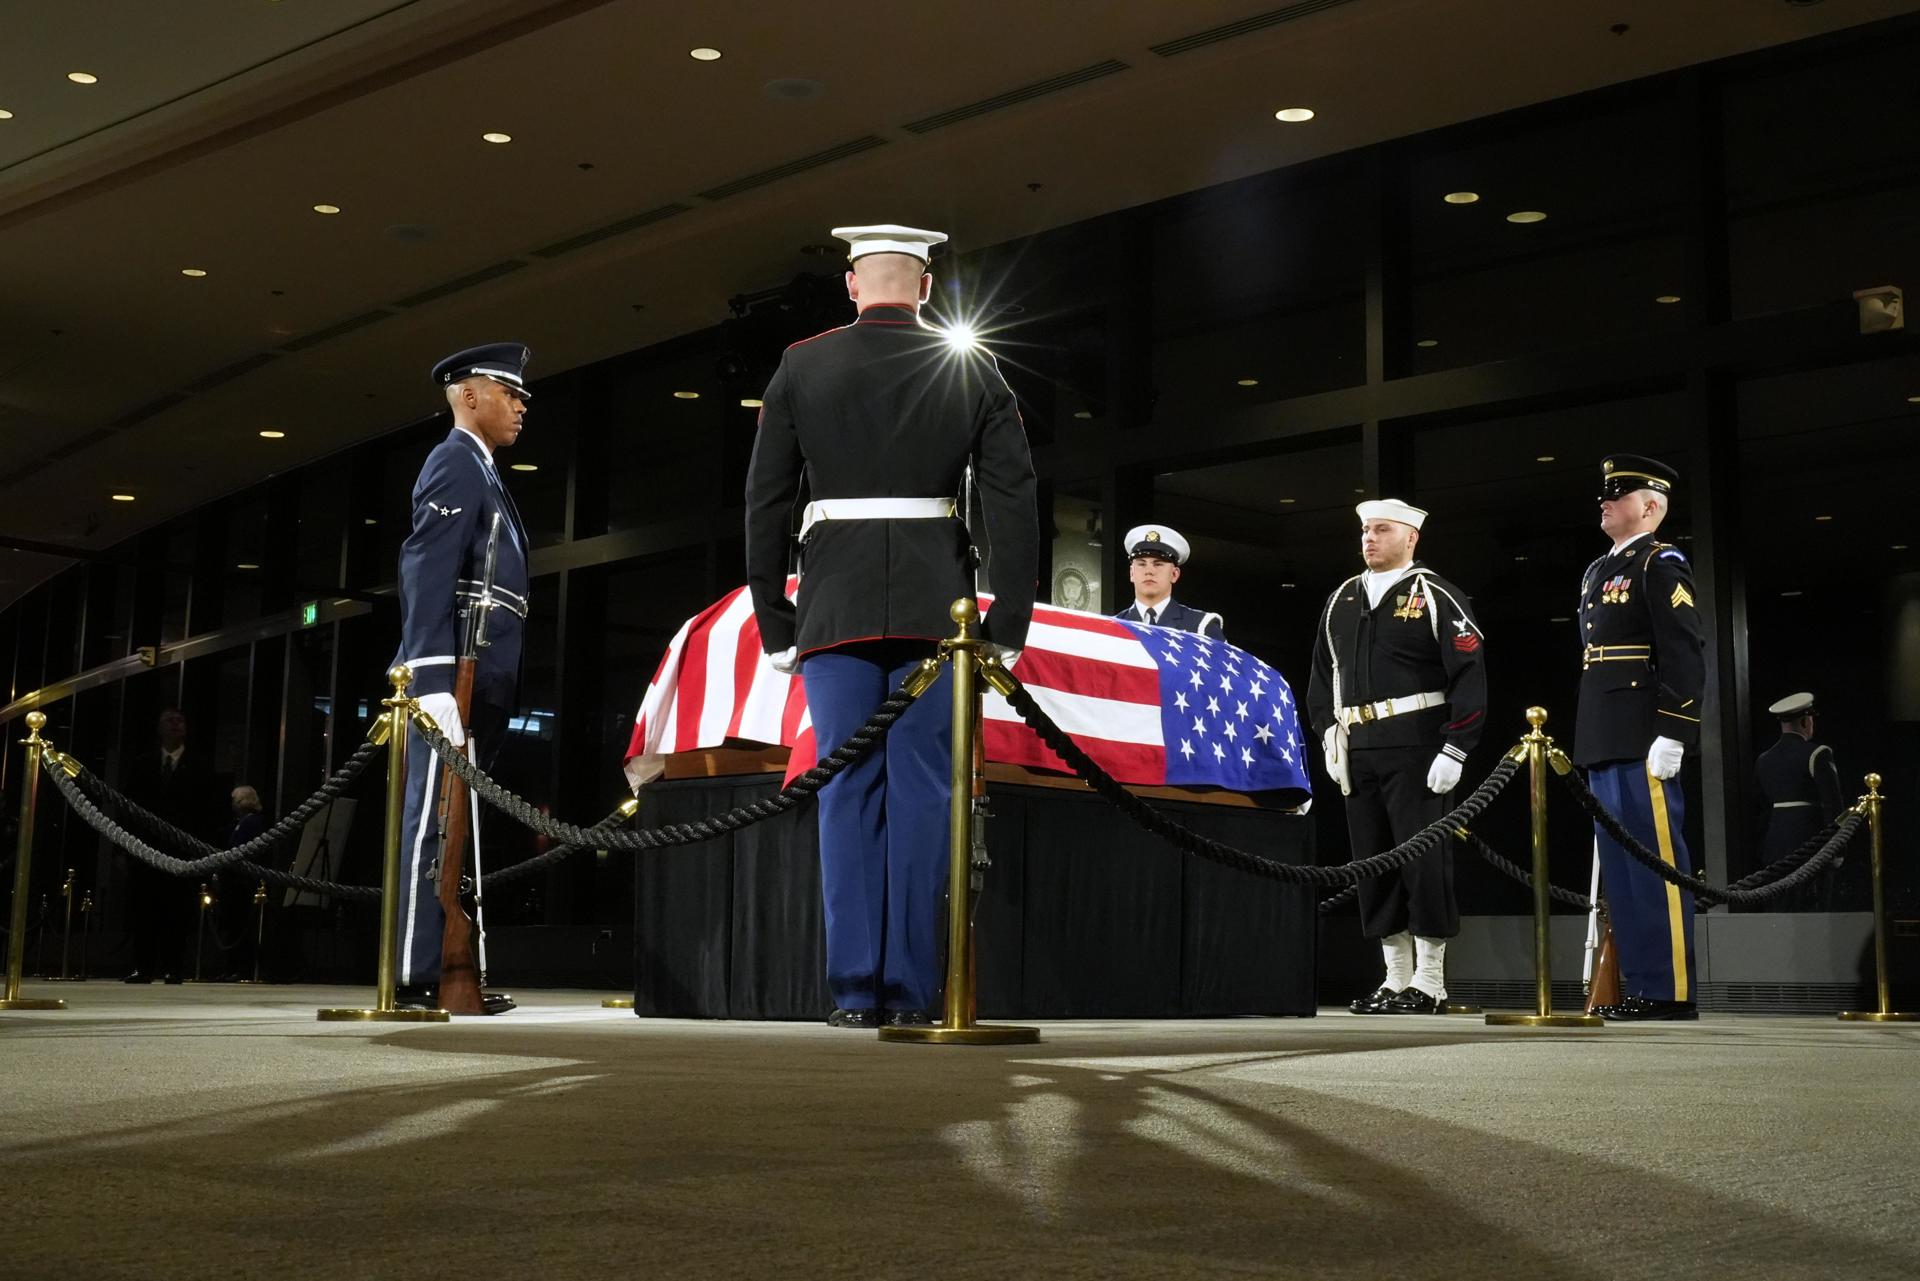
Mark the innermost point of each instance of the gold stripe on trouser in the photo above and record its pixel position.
(1676, 923)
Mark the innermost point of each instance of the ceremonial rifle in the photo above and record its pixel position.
(461, 972)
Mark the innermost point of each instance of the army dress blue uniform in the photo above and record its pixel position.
(1643, 676)
(1182, 618)
(883, 417)
(442, 562)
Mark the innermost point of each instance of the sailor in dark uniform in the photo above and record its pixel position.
(442, 563)
(884, 417)
(1642, 681)
(1399, 697)
(1798, 786)
(1155, 556)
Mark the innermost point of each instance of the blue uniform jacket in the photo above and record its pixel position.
(1182, 618)
(1643, 668)
(441, 564)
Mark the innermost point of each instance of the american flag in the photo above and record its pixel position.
(1152, 705)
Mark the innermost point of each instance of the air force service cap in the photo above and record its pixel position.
(889, 238)
(1158, 540)
(1792, 707)
(504, 362)
(1391, 509)
(1621, 474)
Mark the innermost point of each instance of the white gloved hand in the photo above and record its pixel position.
(1334, 750)
(446, 714)
(786, 662)
(1663, 758)
(1007, 657)
(1443, 775)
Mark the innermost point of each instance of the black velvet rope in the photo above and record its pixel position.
(607, 835)
(1416, 846)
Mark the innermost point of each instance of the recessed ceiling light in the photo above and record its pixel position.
(749, 402)
(246, 564)
(1461, 197)
(704, 54)
(1428, 342)
(195, 272)
(497, 137)
(83, 77)
(326, 209)
(271, 434)
(1913, 400)
(1358, 490)
(686, 395)
(1823, 518)
(1285, 501)
(123, 498)
(1792, 593)
(1294, 115)
(1898, 547)
(524, 467)
(1668, 299)
(1527, 215)
(1287, 585)
(1247, 382)
(1543, 458)
(6, 115)
(370, 521)
(1083, 413)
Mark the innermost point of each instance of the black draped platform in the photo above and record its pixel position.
(1083, 915)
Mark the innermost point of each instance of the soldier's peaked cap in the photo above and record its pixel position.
(504, 362)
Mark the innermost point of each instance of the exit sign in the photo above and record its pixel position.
(310, 613)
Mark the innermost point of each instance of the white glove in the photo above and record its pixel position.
(1007, 657)
(786, 662)
(1443, 775)
(1663, 758)
(1334, 749)
(446, 714)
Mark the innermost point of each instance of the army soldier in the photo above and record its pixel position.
(885, 417)
(1399, 697)
(1155, 556)
(1643, 676)
(1798, 784)
(441, 568)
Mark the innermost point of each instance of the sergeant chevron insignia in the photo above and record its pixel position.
(1681, 596)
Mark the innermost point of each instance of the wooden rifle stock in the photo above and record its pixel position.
(459, 971)
(1605, 987)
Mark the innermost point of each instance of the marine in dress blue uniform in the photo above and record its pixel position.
(883, 418)
(1156, 554)
(1643, 676)
(1798, 787)
(1399, 698)
(442, 564)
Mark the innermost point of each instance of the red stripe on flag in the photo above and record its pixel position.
(746, 662)
(1048, 669)
(1013, 744)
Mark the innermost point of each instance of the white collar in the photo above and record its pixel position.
(175, 755)
(1141, 607)
(1620, 547)
(477, 439)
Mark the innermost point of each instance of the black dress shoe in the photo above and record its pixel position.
(137, 977)
(496, 1003)
(1375, 1002)
(415, 997)
(854, 1018)
(172, 980)
(1640, 1009)
(1414, 1001)
(908, 1018)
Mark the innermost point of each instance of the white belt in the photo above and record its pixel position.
(876, 509)
(1792, 805)
(1367, 713)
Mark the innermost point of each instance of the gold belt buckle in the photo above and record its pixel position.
(1367, 714)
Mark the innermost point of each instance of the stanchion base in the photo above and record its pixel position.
(1454, 1007)
(977, 1034)
(617, 1003)
(1878, 1016)
(32, 1003)
(1545, 1020)
(383, 1016)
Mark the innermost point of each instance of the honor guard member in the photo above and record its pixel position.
(442, 563)
(1155, 555)
(1399, 697)
(885, 417)
(1798, 785)
(1643, 675)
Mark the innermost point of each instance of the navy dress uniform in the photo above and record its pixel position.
(1162, 543)
(1642, 681)
(1798, 786)
(442, 563)
(1399, 696)
(883, 418)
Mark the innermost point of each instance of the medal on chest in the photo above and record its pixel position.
(1616, 590)
(1410, 607)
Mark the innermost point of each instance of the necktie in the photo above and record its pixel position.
(1153, 615)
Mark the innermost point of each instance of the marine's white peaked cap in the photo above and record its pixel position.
(889, 238)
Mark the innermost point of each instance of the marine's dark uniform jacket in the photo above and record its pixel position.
(1643, 669)
(441, 564)
(885, 408)
(1180, 617)
(1421, 638)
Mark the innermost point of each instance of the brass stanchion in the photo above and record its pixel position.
(259, 928)
(617, 1003)
(958, 1027)
(393, 729)
(1536, 746)
(66, 927)
(86, 932)
(628, 808)
(200, 936)
(1870, 803)
(23, 875)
